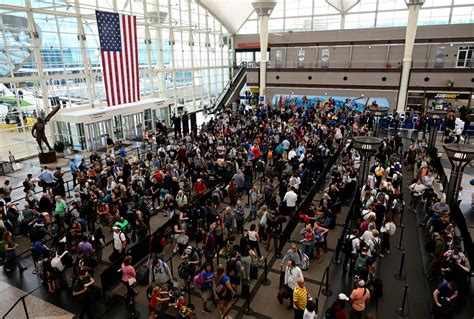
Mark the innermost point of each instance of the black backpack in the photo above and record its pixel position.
(231, 267)
(183, 270)
(377, 249)
(347, 245)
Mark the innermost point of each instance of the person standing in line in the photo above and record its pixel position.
(245, 258)
(73, 168)
(292, 273)
(7, 191)
(254, 239)
(416, 191)
(290, 199)
(128, 279)
(300, 298)
(206, 280)
(82, 292)
(110, 144)
(359, 296)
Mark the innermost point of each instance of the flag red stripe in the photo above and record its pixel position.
(104, 67)
(131, 58)
(126, 81)
(116, 74)
(137, 82)
(110, 78)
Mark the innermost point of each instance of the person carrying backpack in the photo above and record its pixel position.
(350, 247)
(361, 261)
(159, 275)
(375, 245)
(234, 270)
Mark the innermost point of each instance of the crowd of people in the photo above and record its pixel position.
(228, 190)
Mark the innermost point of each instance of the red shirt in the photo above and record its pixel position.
(199, 187)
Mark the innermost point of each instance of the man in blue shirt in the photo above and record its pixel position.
(443, 299)
(73, 168)
(47, 178)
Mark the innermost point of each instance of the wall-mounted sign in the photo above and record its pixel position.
(325, 57)
(249, 45)
(96, 116)
(300, 55)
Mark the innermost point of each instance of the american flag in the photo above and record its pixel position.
(119, 51)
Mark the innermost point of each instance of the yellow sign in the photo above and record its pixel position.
(254, 89)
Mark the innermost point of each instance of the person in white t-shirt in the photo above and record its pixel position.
(290, 199)
(416, 191)
(311, 311)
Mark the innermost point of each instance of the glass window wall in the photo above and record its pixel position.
(62, 59)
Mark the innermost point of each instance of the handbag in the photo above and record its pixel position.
(132, 281)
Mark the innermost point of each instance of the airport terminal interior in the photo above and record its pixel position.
(237, 159)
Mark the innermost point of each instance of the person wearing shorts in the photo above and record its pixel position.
(207, 277)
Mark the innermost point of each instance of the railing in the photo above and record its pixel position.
(227, 89)
(22, 300)
(363, 64)
(294, 219)
(458, 217)
(68, 191)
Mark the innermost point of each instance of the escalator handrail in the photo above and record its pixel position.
(227, 89)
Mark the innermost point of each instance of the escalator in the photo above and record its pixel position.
(230, 93)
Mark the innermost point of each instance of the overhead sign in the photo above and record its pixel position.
(249, 45)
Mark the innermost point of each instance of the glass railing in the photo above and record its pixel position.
(368, 64)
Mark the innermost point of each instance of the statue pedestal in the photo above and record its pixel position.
(48, 157)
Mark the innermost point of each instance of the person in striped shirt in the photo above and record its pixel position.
(300, 298)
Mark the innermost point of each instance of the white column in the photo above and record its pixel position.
(407, 57)
(263, 56)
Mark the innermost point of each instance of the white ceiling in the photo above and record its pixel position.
(231, 13)
(343, 5)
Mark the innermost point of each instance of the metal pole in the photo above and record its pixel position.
(326, 291)
(171, 265)
(452, 192)
(400, 275)
(190, 305)
(336, 259)
(401, 311)
(401, 216)
(400, 247)
(266, 281)
(68, 190)
(246, 291)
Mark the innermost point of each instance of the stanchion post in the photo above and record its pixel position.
(68, 190)
(171, 265)
(401, 217)
(190, 305)
(400, 247)
(336, 259)
(401, 311)
(399, 275)
(246, 291)
(326, 291)
(266, 281)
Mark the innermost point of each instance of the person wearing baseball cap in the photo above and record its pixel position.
(359, 297)
(337, 310)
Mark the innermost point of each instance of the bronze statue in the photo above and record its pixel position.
(39, 127)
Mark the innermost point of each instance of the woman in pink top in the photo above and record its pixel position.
(128, 278)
